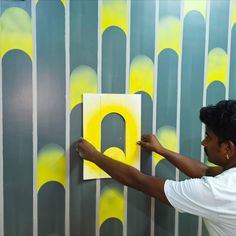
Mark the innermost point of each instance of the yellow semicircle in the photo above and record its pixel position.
(217, 66)
(193, 5)
(83, 80)
(16, 31)
(168, 138)
(169, 34)
(114, 13)
(111, 204)
(233, 9)
(51, 165)
(142, 75)
(63, 2)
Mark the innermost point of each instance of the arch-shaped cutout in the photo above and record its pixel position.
(98, 106)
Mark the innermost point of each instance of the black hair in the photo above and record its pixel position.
(221, 119)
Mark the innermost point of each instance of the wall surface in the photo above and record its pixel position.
(180, 55)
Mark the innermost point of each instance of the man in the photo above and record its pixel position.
(210, 192)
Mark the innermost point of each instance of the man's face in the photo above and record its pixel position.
(214, 150)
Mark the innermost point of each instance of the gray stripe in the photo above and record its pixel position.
(35, 135)
(178, 105)
(67, 103)
(152, 226)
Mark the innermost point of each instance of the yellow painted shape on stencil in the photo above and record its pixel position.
(169, 34)
(195, 5)
(168, 138)
(51, 165)
(111, 204)
(217, 66)
(83, 80)
(16, 31)
(63, 2)
(233, 9)
(114, 13)
(95, 108)
(142, 75)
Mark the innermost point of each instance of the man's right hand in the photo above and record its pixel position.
(149, 142)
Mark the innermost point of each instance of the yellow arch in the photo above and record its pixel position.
(169, 34)
(233, 9)
(111, 204)
(63, 2)
(83, 79)
(217, 66)
(96, 107)
(16, 31)
(168, 138)
(142, 75)
(51, 165)
(114, 13)
(193, 5)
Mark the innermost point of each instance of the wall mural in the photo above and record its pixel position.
(177, 55)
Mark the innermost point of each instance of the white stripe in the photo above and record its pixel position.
(204, 89)
(154, 114)
(1, 151)
(179, 104)
(99, 75)
(67, 103)
(35, 121)
(228, 50)
(125, 192)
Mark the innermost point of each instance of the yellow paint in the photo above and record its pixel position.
(217, 66)
(168, 138)
(195, 5)
(83, 80)
(111, 204)
(16, 31)
(63, 2)
(233, 9)
(142, 75)
(51, 165)
(169, 34)
(114, 13)
(95, 108)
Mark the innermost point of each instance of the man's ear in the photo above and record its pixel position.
(230, 148)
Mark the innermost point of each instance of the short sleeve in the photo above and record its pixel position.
(193, 196)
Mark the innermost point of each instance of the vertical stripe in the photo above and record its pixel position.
(67, 118)
(35, 134)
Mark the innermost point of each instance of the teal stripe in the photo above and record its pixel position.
(191, 100)
(215, 93)
(232, 78)
(142, 38)
(83, 33)
(218, 28)
(17, 143)
(50, 18)
(169, 8)
(113, 60)
(51, 199)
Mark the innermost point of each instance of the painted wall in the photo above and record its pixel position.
(179, 55)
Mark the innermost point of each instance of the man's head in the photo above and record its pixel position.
(220, 121)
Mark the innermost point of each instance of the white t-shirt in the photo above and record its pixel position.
(213, 198)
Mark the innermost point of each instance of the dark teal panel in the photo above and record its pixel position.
(17, 143)
(167, 88)
(51, 209)
(232, 77)
(215, 93)
(218, 28)
(142, 29)
(51, 72)
(164, 215)
(83, 33)
(116, 225)
(166, 116)
(169, 8)
(113, 60)
(191, 101)
(82, 193)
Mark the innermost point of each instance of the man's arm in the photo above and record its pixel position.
(190, 167)
(125, 174)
